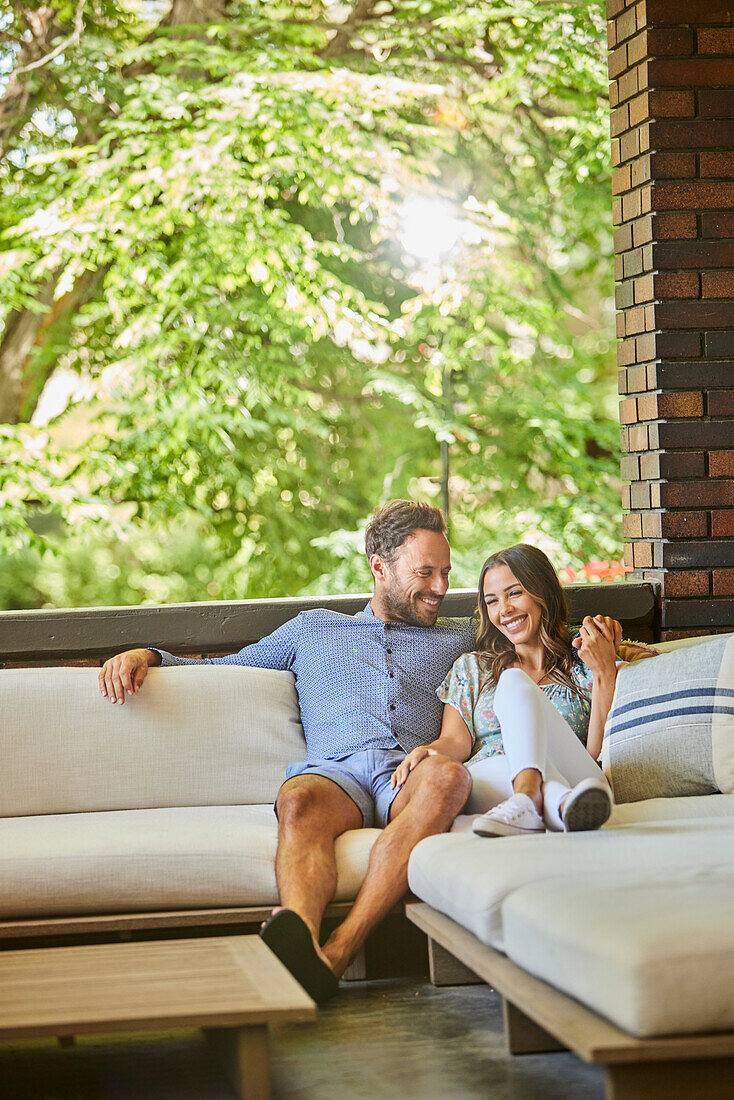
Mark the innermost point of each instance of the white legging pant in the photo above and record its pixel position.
(534, 735)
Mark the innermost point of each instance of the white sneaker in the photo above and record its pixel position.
(516, 816)
(587, 806)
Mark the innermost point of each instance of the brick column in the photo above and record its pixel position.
(671, 66)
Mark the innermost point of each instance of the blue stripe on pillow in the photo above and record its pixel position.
(645, 719)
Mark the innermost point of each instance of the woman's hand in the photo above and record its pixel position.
(597, 643)
(406, 766)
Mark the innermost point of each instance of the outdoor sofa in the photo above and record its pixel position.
(158, 815)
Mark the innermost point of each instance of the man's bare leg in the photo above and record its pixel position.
(432, 796)
(312, 813)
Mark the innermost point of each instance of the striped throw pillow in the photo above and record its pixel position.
(670, 731)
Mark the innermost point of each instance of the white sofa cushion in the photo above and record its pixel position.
(198, 735)
(653, 957)
(136, 860)
(670, 730)
(468, 877)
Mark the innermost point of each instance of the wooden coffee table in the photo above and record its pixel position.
(230, 986)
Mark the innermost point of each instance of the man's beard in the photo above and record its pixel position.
(409, 610)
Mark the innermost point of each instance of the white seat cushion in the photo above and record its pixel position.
(653, 957)
(468, 877)
(134, 860)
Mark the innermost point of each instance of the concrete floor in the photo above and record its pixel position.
(398, 1038)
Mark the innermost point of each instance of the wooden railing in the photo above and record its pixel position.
(91, 635)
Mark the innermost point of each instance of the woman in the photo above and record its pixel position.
(527, 710)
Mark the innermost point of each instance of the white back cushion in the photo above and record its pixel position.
(198, 735)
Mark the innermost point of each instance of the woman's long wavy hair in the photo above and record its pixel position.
(539, 579)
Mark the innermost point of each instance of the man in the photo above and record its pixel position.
(366, 687)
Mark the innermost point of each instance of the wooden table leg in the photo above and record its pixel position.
(245, 1055)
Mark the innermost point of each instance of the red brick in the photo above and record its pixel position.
(677, 345)
(688, 582)
(689, 376)
(715, 103)
(669, 227)
(647, 407)
(673, 166)
(676, 284)
(701, 494)
(720, 165)
(678, 255)
(679, 405)
(697, 195)
(722, 524)
(681, 465)
(651, 525)
(677, 525)
(717, 284)
(716, 40)
(720, 403)
(696, 134)
(669, 41)
(702, 72)
(723, 582)
(671, 104)
(707, 313)
(721, 464)
(720, 224)
(719, 343)
(707, 434)
(688, 11)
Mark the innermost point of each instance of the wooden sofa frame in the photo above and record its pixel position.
(88, 636)
(540, 1019)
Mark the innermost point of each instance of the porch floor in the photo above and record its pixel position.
(399, 1038)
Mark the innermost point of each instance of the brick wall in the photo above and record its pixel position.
(671, 67)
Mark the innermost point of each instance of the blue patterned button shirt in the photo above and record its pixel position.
(361, 683)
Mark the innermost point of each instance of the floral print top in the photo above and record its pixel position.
(469, 688)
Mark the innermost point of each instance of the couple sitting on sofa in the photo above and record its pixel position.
(370, 690)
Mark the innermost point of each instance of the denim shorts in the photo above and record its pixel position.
(364, 776)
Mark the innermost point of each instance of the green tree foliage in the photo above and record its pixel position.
(204, 220)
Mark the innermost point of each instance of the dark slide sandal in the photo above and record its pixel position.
(288, 937)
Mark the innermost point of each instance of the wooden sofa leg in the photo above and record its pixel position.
(444, 969)
(357, 969)
(670, 1080)
(524, 1036)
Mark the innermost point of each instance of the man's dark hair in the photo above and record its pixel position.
(396, 521)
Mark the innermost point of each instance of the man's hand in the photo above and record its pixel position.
(126, 672)
(612, 626)
(406, 766)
